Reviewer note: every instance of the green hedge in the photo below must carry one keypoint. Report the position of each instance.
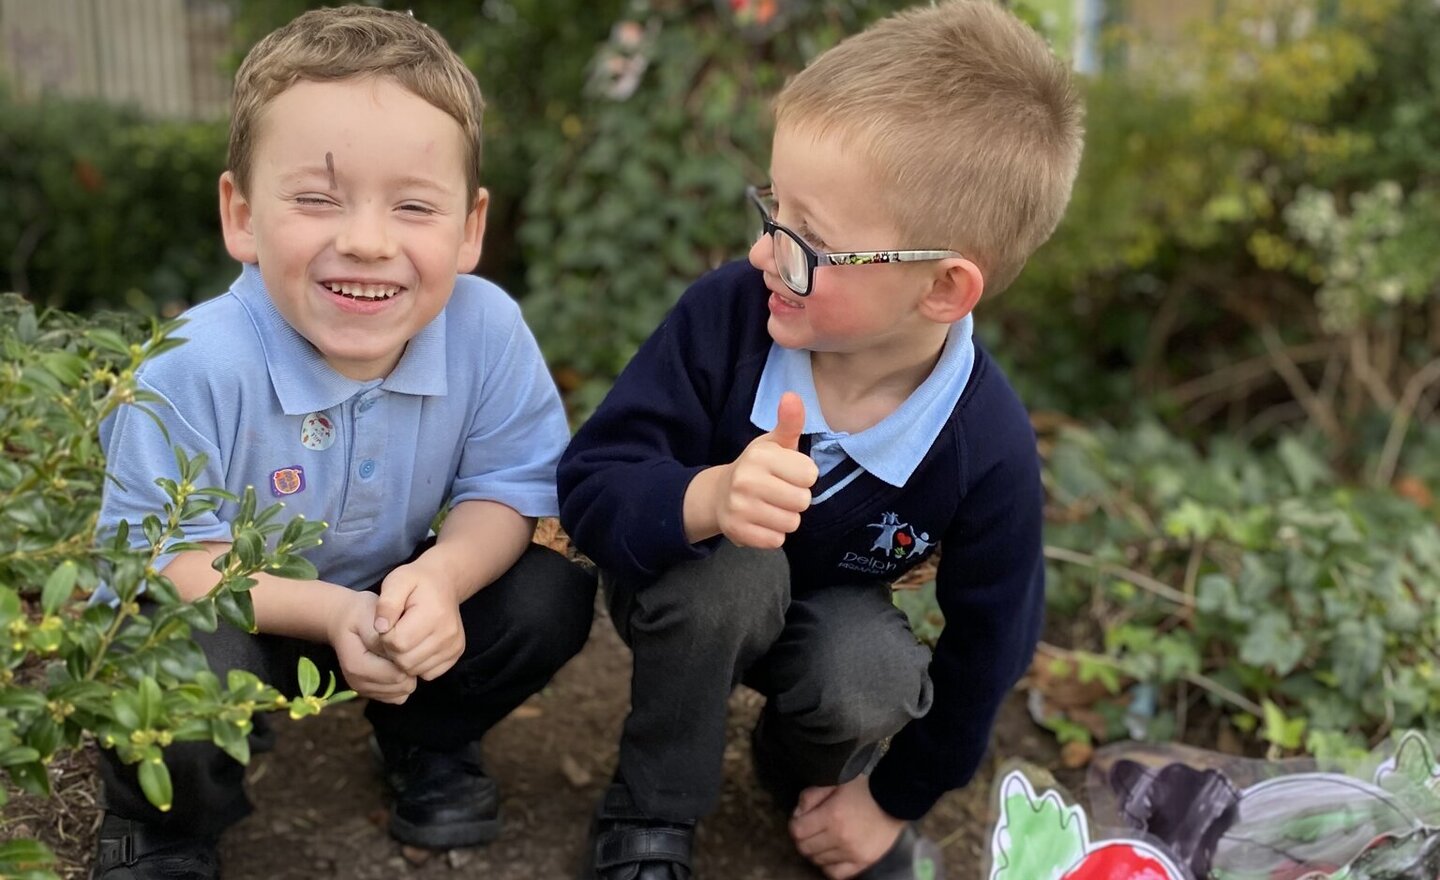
(103, 207)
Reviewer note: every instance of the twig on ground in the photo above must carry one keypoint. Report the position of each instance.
(1139, 579)
(1400, 422)
(1315, 408)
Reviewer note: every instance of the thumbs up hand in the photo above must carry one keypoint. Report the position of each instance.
(764, 491)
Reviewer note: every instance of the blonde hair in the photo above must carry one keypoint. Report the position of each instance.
(974, 127)
(354, 41)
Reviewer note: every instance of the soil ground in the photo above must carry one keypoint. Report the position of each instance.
(320, 811)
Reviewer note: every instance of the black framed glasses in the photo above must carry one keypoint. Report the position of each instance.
(796, 260)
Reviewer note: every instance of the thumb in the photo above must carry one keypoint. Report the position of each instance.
(789, 421)
(394, 593)
(813, 797)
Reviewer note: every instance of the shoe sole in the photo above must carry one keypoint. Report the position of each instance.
(445, 836)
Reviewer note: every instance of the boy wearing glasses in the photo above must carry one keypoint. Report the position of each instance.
(804, 429)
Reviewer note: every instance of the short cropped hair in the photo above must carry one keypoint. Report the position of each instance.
(971, 123)
(354, 41)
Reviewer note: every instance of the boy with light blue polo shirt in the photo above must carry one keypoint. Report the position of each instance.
(356, 373)
(803, 430)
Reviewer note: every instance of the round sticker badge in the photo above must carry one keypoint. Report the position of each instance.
(317, 432)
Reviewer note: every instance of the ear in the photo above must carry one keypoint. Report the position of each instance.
(474, 236)
(235, 217)
(955, 289)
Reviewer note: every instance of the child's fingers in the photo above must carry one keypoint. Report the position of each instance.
(758, 538)
(437, 667)
(380, 680)
(760, 526)
(393, 696)
(786, 496)
(813, 846)
(798, 470)
(420, 657)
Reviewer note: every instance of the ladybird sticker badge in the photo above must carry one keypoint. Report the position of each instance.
(287, 481)
(317, 432)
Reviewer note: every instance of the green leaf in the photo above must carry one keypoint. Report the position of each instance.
(44, 736)
(27, 328)
(155, 782)
(1286, 733)
(309, 677)
(249, 548)
(296, 567)
(125, 706)
(13, 755)
(59, 587)
(1305, 468)
(231, 738)
(68, 368)
(108, 340)
(22, 700)
(1271, 642)
(163, 590)
(23, 855)
(236, 609)
(200, 614)
(151, 700)
(9, 605)
(31, 777)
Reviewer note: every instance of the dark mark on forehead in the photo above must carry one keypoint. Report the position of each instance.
(330, 166)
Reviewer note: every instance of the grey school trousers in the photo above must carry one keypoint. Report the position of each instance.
(518, 632)
(839, 666)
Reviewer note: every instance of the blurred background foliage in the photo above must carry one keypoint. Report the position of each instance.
(1232, 343)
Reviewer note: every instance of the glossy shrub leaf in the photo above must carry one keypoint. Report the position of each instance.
(155, 782)
(59, 587)
(309, 677)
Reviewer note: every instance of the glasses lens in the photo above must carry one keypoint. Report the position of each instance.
(790, 261)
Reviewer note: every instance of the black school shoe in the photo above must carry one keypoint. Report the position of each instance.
(912, 857)
(626, 845)
(439, 800)
(135, 851)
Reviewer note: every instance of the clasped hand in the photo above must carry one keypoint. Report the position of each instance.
(841, 829)
(411, 631)
(768, 486)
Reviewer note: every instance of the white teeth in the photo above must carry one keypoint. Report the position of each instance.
(362, 291)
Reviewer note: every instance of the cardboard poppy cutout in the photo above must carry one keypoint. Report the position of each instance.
(1194, 815)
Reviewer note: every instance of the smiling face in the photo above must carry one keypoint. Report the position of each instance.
(358, 215)
(829, 196)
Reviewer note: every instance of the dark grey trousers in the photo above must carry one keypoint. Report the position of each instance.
(840, 668)
(519, 631)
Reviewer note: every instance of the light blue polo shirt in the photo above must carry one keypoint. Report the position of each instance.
(892, 448)
(469, 412)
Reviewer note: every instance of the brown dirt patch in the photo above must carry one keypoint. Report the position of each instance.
(320, 810)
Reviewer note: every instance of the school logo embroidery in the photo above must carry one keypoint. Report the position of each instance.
(894, 543)
(317, 432)
(287, 481)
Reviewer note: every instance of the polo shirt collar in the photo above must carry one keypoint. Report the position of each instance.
(305, 383)
(892, 448)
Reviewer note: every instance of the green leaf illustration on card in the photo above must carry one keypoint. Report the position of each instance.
(1037, 838)
(1413, 776)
